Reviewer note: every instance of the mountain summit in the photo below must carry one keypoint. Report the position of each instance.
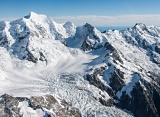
(34, 15)
(49, 69)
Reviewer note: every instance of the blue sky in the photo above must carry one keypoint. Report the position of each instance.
(115, 12)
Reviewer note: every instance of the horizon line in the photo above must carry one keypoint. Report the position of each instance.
(124, 20)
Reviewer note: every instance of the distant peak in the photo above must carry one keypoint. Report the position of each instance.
(89, 27)
(33, 15)
(140, 25)
(68, 23)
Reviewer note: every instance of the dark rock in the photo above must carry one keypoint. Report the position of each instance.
(114, 52)
(108, 46)
(153, 58)
(42, 57)
(155, 93)
(89, 27)
(146, 45)
(9, 106)
(141, 103)
(138, 39)
(31, 57)
(108, 102)
(94, 80)
(116, 80)
(116, 56)
(4, 41)
(87, 45)
(157, 49)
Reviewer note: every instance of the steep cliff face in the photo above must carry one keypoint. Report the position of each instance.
(92, 73)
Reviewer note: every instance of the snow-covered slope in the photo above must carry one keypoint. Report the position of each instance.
(31, 38)
(97, 73)
(127, 63)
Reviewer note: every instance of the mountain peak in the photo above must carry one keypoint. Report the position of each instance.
(68, 23)
(140, 26)
(33, 15)
(89, 27)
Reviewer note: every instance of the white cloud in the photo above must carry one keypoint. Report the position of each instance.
(122, 20)
(8, 19)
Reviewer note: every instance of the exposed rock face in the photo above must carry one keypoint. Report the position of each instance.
(94, 80)
(46, 104)
(91, 40)
(116, 80)
(109, 102)
(113, 52)
(87, 45)
(143, 101)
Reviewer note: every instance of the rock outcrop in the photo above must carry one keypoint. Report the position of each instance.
(48, 105)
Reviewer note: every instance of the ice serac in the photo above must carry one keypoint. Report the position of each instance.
(49, 68)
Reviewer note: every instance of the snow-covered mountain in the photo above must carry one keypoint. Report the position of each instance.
(50, 69)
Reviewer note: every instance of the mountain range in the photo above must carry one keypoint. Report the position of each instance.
(49, 69)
